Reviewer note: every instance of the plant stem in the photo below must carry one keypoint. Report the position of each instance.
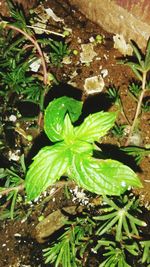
(45, 30)
(138, 109)
(8, 190)
(35, 43)
(43, 62)
(59, 185)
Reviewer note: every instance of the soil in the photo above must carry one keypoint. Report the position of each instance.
(17, 242)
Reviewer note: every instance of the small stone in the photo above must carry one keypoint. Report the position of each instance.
(88, 53)
(12, 118)
(34, 66)
(17, 235)
(121, 45)
(91, 39)
(94, 85)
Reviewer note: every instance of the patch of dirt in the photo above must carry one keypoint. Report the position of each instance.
(18, 246)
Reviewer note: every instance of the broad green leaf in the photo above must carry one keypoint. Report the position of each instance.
(108, 177)
(55, 114)
(95, 126)
(80, 147)
(68, 130)
(48, 166)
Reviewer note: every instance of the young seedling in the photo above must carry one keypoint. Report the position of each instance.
(118, 130)
(113, 95)
(81, 238)
(135, 90)
(137, 152)
(58, 51)
(146, 251)
(120, 219)
(72, 153)
(69, 249)
(13, 183)
(114, 254)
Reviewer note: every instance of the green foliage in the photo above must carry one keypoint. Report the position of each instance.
(55, 114)
(108, 177)
(135, 89)
(119, 218)
(137, 152)
(58, 51)
(81, 237)
(17, 53)
(114, 254)
(142, 64)
(118, 130)
(146, 106)
(114, 96)
(11, 179)
(71, 155)
(146, 251)
(15, 72)
(69, 245)
(17, 15)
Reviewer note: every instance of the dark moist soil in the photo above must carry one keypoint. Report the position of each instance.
(17, 242)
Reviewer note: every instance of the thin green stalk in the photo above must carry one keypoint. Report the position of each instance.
(13, 204)
(138, 109)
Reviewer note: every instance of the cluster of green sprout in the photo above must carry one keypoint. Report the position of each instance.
(109, 237)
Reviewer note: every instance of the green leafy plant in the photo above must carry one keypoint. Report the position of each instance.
(118, 130)
(138, 152)
(72, 152)
(71, 245)
(146, 251)
(120, 218)
(58, 51)
(146, 106)
(135, 90)
(81, 238)
(113, 95)
(114, 254)
(141, 69)
(21, 47)
(13, 182)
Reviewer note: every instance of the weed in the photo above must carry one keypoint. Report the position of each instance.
(74, 241)
(13, 182)
(118, 130)
(140, 68)
(138, 152)
(146, 251)
(20, 48)
(113, 95)
(135, 90)
(146, 106)
(58, 51)
(120, 218)
(109, 237)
